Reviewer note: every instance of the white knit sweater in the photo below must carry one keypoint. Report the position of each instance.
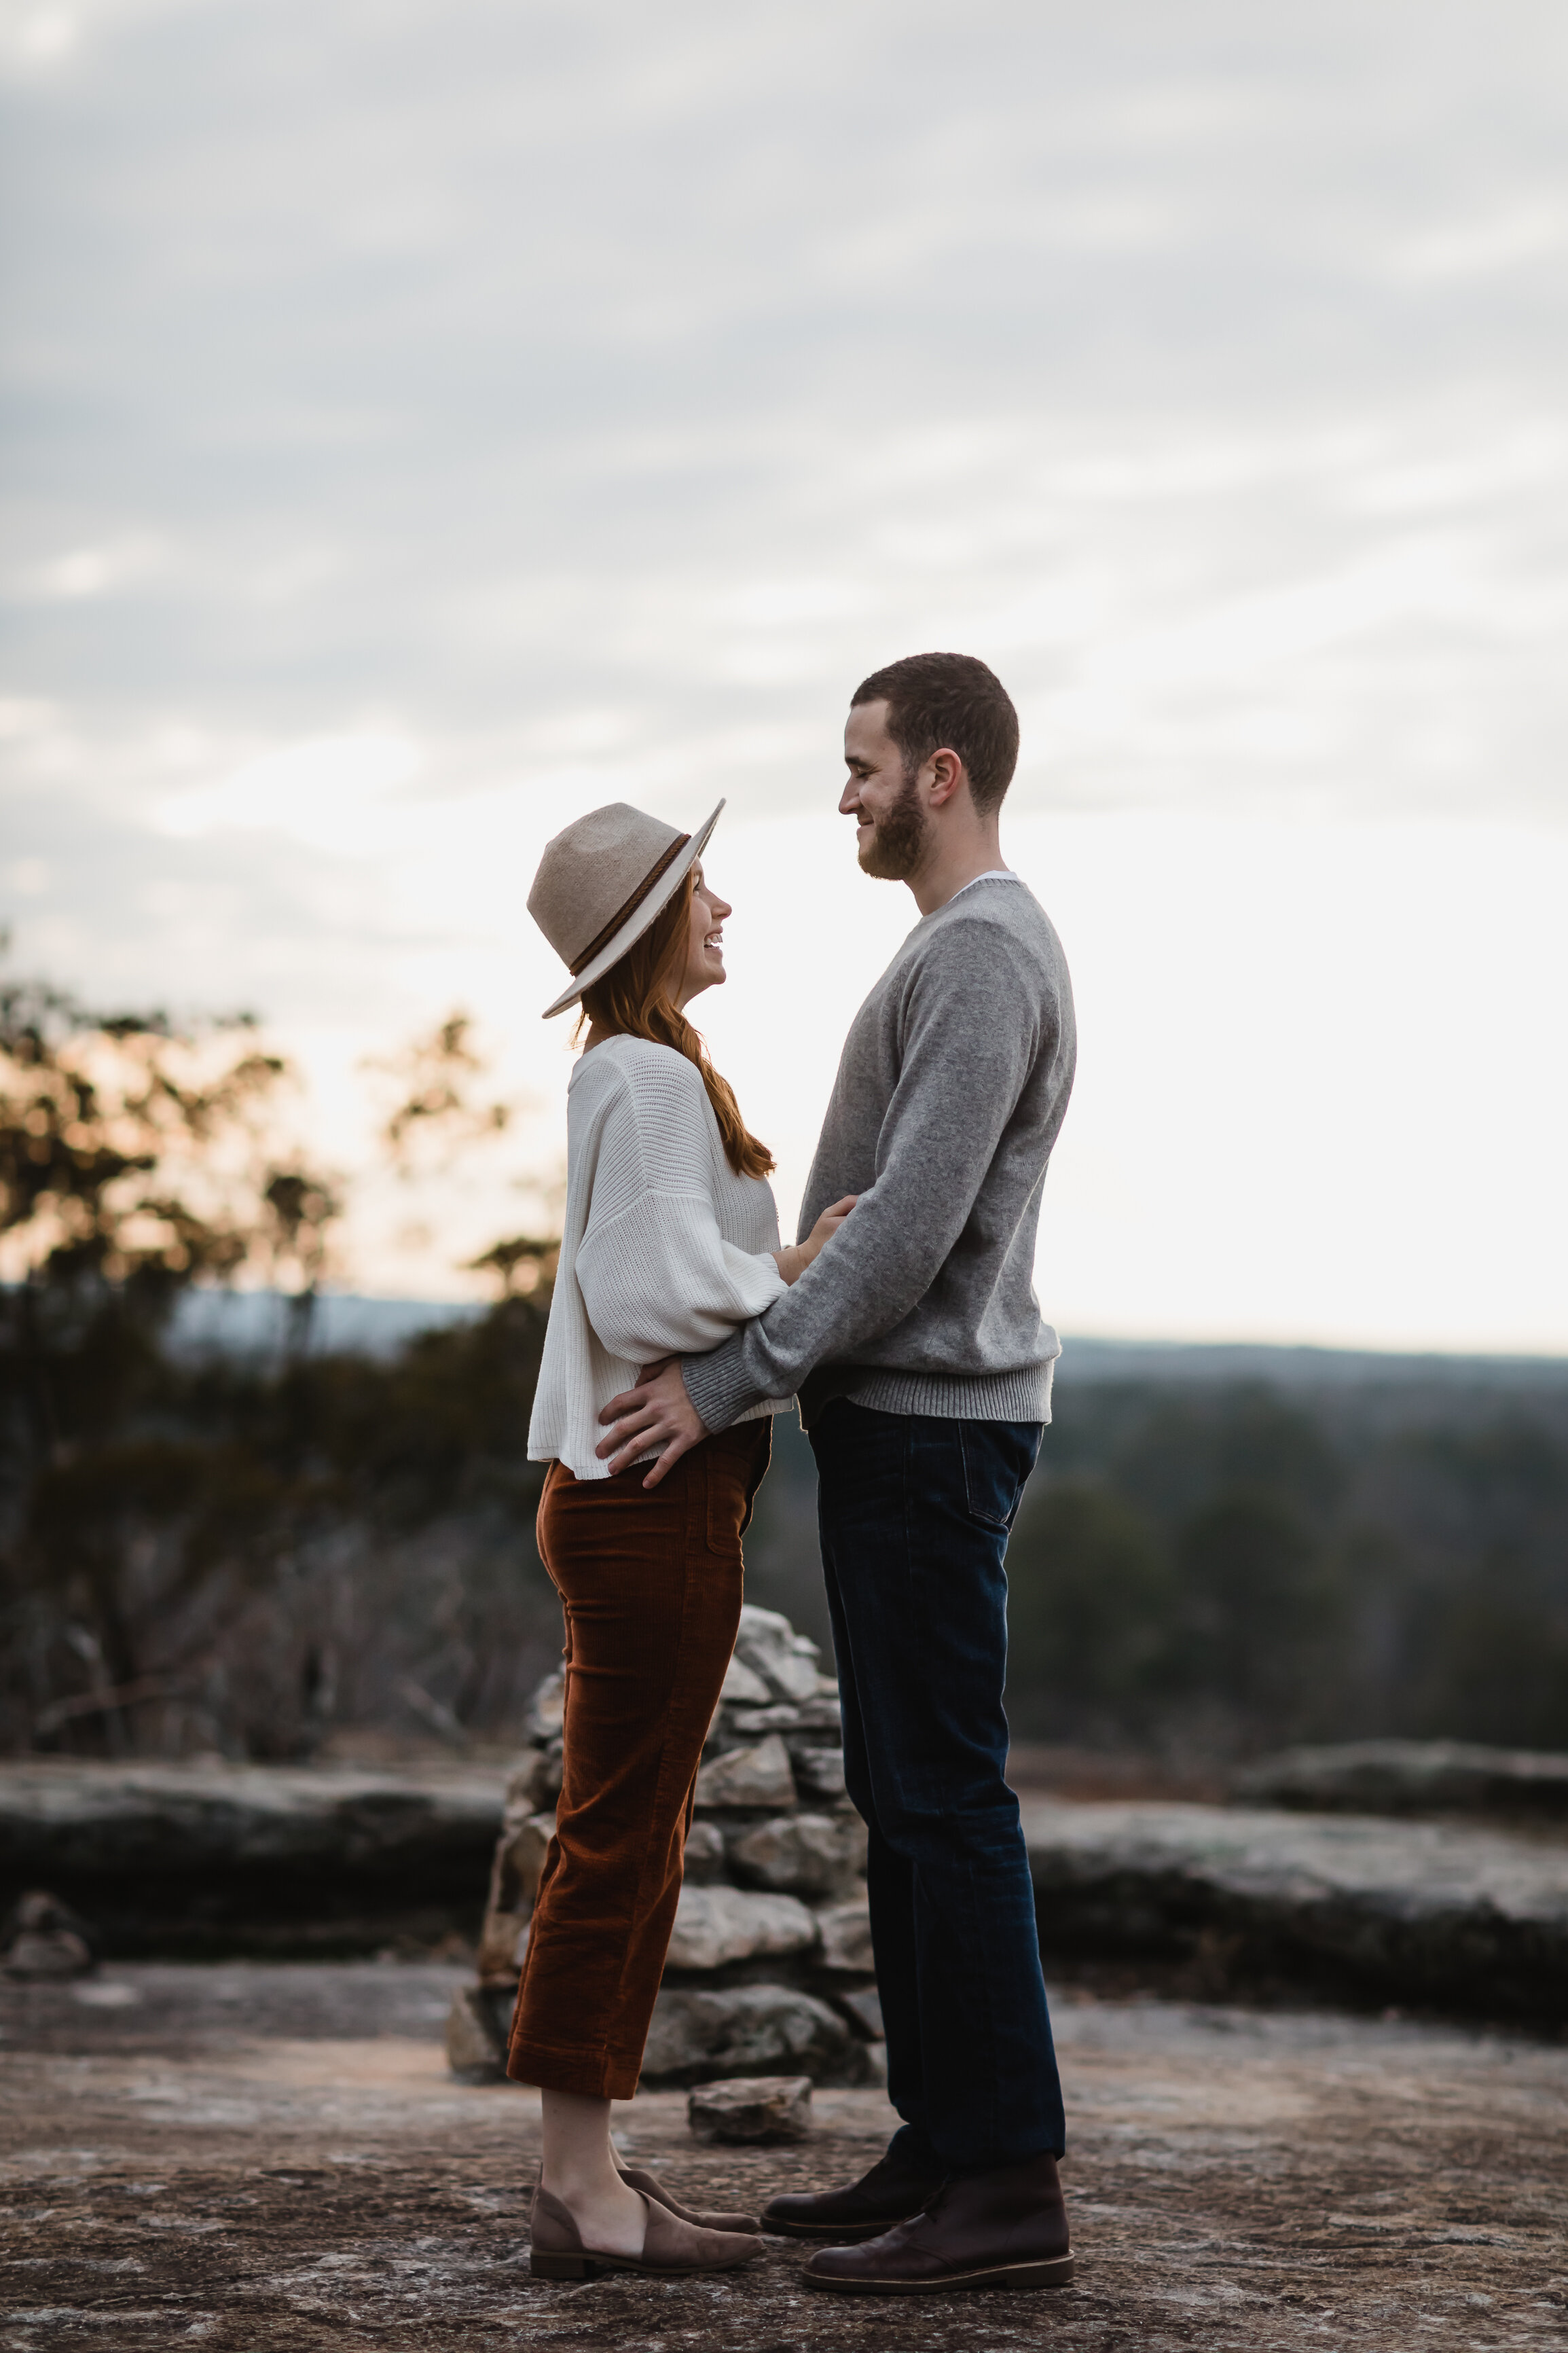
(665, 1250)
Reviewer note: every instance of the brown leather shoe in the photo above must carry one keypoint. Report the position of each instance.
(889, 2193)
(670, 2249)
(652, 2187)
(1007, 2229)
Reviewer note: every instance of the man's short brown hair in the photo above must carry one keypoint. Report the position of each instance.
(949, 702)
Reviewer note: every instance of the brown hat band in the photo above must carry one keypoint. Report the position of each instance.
(624, 915)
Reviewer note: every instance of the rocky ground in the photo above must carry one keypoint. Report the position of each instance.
(254, 2155)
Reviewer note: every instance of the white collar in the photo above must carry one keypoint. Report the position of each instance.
(996, 874)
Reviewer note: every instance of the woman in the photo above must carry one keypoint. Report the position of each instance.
(671, 1239)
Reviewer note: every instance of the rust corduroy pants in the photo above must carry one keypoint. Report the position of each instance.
(650, 1587)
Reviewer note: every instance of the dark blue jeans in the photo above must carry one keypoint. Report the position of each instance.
(914, 1514)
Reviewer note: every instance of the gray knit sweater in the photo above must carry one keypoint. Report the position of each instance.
(952, 1086)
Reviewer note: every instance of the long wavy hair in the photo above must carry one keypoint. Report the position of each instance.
(637, 999)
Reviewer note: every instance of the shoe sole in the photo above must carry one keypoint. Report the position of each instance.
(1058, 2272)
(586, 2267)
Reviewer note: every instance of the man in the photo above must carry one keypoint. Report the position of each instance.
(923, 1369)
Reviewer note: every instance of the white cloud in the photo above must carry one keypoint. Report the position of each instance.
(41, 34)
(428, 421)
(1520, 233)
(99, 571)
(326, 794)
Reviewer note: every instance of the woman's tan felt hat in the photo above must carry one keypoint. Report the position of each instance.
(603, 881)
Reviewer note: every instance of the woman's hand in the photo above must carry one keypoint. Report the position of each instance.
(796, 1257)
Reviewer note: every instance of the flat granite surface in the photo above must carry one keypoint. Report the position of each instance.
(1471, 1920)
(1400, 1866)
(250, 2156)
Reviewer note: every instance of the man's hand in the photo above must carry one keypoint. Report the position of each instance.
(657, 1412)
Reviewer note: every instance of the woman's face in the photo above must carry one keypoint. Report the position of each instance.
(704, 952)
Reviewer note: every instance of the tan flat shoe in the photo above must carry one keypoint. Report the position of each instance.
(636, 2177)
(671, 2248)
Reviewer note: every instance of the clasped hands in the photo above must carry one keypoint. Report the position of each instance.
(657, 1412)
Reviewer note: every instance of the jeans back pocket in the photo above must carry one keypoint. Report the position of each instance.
(998, 1457)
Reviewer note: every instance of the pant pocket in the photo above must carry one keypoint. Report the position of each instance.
(734, 1469)
(998, 1457)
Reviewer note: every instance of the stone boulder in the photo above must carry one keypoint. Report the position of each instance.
(786, 1661)
(805, 1854)
(743, 1687)
(534, 1785)
(751, 2109)
(864, 2006)
(476, 2038)
(515, 1873)
(716, 1925)
(803, 1719)
(43, 1937)
(819, 1775)
(700, 2035)
(846, 1933)
(546, 1710)
(760, 1776)
(705, 1857)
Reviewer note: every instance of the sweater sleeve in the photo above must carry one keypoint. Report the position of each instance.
(971, 1030)
(656, 1276)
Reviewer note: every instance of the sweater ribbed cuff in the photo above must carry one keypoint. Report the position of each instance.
(718, 1385)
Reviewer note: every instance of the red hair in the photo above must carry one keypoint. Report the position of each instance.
(636, 998)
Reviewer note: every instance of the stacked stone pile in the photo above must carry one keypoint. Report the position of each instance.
(769, 1971)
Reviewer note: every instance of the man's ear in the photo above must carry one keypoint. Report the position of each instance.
(946, 776)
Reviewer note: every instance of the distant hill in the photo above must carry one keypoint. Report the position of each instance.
(1309, 1369)
(253, 1321)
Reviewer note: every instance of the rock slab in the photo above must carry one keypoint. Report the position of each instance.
(138, 1848)
(753, 2109)
(1411, 1777)
(1472, 1920)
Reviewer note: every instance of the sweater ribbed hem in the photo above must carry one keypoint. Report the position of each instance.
(716, 1385)
(1021, 1396)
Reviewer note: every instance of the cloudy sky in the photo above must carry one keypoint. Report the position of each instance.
(427, 420)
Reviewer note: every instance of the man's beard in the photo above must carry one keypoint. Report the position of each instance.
(897, 840)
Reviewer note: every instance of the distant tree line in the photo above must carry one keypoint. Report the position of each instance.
(1231, 1567)
(246, 1555)
(269, 1554)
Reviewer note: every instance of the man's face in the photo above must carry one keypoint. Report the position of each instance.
(885, 803)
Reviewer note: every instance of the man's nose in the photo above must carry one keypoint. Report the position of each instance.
(849, 799)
